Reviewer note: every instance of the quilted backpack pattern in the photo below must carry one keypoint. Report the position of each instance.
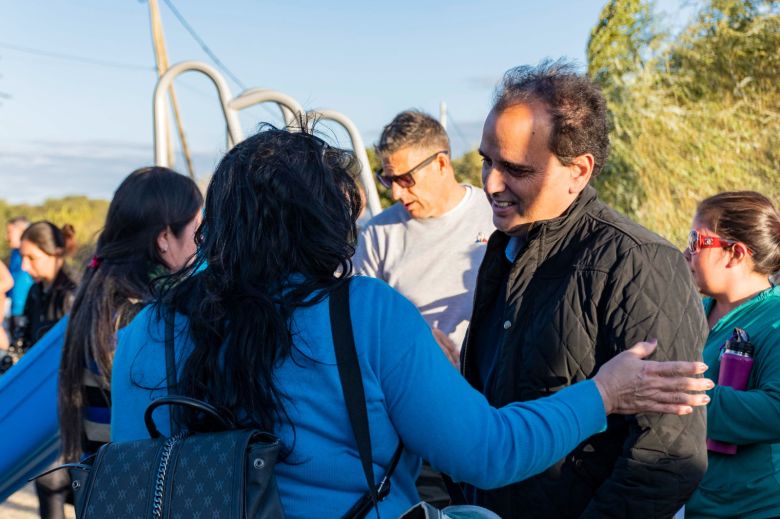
(213, 475)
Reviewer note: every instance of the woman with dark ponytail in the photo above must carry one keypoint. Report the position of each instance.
(733, 248)
(149, 232)
(253, 336)
(43, 248)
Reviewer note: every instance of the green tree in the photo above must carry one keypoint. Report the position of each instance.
(468, 168)
(693, 114)
(86, 215)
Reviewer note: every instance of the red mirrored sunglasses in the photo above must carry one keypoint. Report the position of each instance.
(697, 241)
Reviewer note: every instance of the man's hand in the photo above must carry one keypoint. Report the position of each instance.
(450, 349)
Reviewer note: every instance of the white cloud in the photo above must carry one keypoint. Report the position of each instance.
(31, 172)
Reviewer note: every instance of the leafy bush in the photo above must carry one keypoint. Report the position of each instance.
(693, 114)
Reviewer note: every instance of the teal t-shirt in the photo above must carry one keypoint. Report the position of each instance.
(745, 485)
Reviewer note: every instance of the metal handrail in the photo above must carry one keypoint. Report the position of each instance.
(373, 206)
(289, 107)
(291, 112)
(160, 106)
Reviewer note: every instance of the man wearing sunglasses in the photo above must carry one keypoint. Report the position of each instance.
(566, 284)
(430, 243)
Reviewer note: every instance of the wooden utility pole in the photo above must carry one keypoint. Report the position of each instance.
(161, 59)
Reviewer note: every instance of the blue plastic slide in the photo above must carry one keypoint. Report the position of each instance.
(29, 428)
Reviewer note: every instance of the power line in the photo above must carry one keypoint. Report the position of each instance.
(211, 53)
(73, 57)
(203, 44)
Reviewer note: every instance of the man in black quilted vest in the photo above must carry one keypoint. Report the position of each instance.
(566, 284)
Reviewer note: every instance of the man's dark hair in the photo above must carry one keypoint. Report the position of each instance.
(412, 128)
(575, 104)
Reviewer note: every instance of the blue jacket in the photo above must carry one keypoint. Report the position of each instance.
(412, 393)
(22, 283)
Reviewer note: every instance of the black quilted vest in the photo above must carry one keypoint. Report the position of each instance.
(586, 286)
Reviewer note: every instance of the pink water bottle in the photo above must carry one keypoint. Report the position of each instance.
(736, 361)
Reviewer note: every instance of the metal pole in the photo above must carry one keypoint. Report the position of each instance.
(161, 59)
(373, 205)
(159, 113)
(291, 109)
(443, 114)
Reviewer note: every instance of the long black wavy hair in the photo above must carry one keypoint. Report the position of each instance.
(278, 233)
(118, 282)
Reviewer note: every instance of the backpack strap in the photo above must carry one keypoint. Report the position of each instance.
(169, 315)
(351, 379)
(355, 398)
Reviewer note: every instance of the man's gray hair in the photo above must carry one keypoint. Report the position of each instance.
(412, 128)
(576, 106)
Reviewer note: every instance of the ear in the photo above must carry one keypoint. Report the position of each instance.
(581, 170)
(443, 160)
(163, 240)
(739, 255)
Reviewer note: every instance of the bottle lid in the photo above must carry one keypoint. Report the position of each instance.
(739, 342)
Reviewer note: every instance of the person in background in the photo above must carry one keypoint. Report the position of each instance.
(149, 232)
(44, 247)
(733, 247)
(429, 245)
(6, 285)
(253, 336)
(22, 280)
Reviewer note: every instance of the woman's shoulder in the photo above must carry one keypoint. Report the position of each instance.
(141, 329)
(373, 294)
(769, 306)
(763, 322)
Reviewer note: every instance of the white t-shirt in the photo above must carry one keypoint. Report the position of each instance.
(432, 261)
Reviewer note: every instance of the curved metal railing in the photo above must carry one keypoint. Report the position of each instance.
(231, 106)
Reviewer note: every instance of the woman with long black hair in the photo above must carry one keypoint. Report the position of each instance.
(149, 232)
(253, 336)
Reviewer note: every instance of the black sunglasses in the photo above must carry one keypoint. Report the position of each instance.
(405, 180)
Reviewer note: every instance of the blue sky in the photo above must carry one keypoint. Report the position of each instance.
(76, 128)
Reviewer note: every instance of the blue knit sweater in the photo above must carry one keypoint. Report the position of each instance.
(412, 392)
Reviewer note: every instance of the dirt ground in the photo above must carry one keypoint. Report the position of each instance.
(24, 505)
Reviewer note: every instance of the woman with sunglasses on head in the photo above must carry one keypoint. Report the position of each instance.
(253, 336)
(732, 250)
